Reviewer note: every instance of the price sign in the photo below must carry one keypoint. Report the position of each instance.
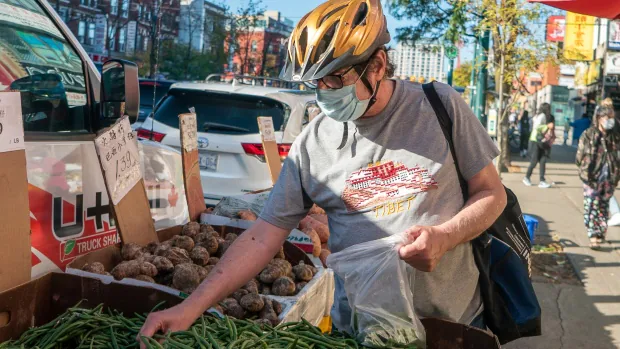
(266, 128)
(189, 132)
(118, 152)
(11, 123)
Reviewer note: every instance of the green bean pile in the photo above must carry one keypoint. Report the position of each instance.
(98, 328)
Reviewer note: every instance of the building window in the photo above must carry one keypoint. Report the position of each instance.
(114, 7)
(254, 46)
(81, 31)
(64, 14)
(112, 38)
(125, 9)
(91, 33)
(121, 40)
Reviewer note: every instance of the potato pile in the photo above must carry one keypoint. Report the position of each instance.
(314, 225)
(184, 261)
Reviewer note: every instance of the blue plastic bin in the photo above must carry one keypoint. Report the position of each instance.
(532, 225)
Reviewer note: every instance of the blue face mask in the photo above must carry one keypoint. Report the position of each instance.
(342, 104)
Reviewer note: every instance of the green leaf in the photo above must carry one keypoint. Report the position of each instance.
(69, 246)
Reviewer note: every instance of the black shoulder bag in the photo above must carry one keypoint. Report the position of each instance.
(502, 255)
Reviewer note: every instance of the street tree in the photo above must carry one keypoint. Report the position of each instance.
(517, 48)
(241, 41)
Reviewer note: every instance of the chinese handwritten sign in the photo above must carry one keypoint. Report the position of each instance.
(11, 123)
(189, 131)
(266, 128)
(578, 41)
(118, 152)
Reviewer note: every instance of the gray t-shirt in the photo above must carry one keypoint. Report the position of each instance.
(395, 171)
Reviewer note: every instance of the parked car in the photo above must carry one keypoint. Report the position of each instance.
(60, 87)
(231, 155)
(151, 92)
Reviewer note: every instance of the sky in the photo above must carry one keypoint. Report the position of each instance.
(296, 9)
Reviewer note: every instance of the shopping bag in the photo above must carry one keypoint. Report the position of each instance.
(378, 285)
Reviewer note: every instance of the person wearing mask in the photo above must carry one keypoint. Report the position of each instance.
(375, 136)
(599, 170)
(541, 139)
(524, 130)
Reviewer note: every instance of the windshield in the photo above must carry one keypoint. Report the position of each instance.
(36, 59)
(221, 113)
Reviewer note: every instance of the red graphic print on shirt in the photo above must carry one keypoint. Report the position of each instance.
(383, 182)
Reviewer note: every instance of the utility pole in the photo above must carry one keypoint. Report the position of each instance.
(481, 86)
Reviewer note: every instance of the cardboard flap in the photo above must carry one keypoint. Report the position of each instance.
(191, 167)
(15, 220)
(133, 217)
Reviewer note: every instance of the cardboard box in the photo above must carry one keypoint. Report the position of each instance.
(41, 300)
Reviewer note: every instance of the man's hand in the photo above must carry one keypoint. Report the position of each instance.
(178, 318)
(424, 247)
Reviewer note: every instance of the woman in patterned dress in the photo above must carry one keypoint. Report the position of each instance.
(599, 169)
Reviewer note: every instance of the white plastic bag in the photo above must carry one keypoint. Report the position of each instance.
(378, 287)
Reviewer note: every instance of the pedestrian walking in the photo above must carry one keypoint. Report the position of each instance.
(524, 130)
(541, 140)
(377, 143)
(579, 126)
(566, 129)
(599, 170)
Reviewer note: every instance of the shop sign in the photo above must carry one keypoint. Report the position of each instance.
(578, 41)
(614, 35)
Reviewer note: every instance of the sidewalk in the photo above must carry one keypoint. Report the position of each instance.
(585, 316)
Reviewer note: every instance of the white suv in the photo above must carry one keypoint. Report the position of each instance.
(232, 160)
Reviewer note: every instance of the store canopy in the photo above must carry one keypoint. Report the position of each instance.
(597, 8)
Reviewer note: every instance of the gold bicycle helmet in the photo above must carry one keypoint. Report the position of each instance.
(335, 35)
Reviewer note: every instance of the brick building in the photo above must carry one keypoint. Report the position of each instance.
(118, 28)
(261, 49)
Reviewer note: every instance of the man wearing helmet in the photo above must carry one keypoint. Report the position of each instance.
(377, 162)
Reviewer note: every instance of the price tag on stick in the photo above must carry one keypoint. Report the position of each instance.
(118, 151)
(11, 123)
(272, 155)
(191, 167)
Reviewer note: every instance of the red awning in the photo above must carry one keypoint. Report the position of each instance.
(597, 8)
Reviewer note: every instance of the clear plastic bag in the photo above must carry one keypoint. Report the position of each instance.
(378, 285)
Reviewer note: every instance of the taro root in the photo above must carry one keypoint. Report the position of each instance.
(131, 251)
(313, 268)
(252, 286)
(252, 302)
(162, 248)
(148, 269)
(200, 256)
(163, 264)
(262, 323)
(207, 229)
(299, 286)
(184, 242)
(232, 308)
(198, 239)
(94, 267)
(265, 290)
(176, 255)
(231, 237)
(283, 264)
(267, 313)
(191, 229)
(145, 278)
(240, 293)
(223, 246)
(209, 268)
(280, 253)
(126, 269)
(185, 278)
(277, 306)
(213, 261)
(302, 272)
(211, 243)
(283, 286)
(271, 274)
(202, 272)
(151, 247)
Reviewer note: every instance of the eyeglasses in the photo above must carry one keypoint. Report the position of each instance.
(334, 81)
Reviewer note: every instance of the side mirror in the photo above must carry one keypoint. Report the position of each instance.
(120, 94)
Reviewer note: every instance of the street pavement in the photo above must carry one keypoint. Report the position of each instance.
(585, 316)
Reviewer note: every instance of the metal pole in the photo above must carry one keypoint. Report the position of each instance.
(451, 72)
(481, 86)
(472, 80)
